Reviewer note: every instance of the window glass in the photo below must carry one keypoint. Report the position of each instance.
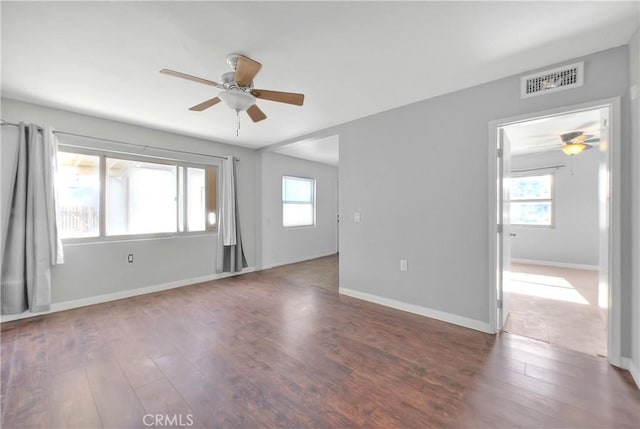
(531, 187)
(297, 190)
(212, 201)
(180, 199)
(78, 187)
(531, 200)
(530, 213)
(196, 199)
(140, 197)
(298, 201)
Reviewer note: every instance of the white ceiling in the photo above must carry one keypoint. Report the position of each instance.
(351, 59)
(543, 135)
(325, 150)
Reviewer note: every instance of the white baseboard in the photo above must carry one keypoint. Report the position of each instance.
(98, 299)
(295, 261)
(629, 365)
(422, 311)
(556, 264)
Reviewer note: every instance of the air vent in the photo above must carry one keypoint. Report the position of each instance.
(554, 80)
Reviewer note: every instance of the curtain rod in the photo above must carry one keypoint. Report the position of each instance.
(551, 167)
(3, 122)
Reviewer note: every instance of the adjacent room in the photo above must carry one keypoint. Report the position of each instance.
(555, 293)
(320, 214)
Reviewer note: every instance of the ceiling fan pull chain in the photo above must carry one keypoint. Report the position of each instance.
(238, 121)
(571, 164)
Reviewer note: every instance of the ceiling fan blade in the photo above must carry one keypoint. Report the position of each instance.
(205, 104)
(281, 97)
(256, 114)
(188, 77)
(246, 69)
(595, 140)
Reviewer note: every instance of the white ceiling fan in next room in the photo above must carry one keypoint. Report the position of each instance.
(237, 89)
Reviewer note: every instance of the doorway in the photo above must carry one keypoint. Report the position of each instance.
(556, 185)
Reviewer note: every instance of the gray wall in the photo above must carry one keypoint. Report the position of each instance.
(92, 269)
(418, 175)
(634, 63)
(575, 237)
(285, 245)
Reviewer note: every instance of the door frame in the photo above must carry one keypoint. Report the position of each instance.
(614, 328)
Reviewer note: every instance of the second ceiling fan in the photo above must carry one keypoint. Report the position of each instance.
(237, 88)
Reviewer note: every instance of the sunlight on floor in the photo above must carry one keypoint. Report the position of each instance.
(541, 286)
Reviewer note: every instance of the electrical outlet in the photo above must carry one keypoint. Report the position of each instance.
(130, 258)
(403, 265)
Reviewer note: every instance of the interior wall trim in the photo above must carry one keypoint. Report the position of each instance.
(295, 261)
(629, 365)
(99, 299)
(556, 264)
(454, 319)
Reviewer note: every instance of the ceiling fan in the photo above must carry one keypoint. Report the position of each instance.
(237, 88)
(576, 141)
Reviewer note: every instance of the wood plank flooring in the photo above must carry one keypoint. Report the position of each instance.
(281, 348)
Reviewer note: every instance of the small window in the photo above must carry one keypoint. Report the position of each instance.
(78, 187)
(298, 201)
(531, 200)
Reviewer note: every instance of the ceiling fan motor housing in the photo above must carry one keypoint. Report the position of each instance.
(228, 81)
(232, 60)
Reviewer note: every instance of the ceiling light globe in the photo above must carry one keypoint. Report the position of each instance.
(573, 148)
(236, 99)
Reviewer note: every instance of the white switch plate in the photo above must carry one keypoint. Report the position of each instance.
(403, 265)
(356, 217)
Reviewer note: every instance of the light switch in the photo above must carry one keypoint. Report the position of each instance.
(403, 265)
(356, 217)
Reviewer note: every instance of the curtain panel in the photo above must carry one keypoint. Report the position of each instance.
(231, 256)
(30, 242)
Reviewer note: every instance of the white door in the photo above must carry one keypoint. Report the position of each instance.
(603, 210)
(505, 235)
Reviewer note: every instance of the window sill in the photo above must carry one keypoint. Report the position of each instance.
(135, 237)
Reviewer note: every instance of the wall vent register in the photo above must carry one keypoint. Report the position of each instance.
(553, 80)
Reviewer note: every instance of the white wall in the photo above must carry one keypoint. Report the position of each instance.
(574, 238)
(634, 63)
(285, 245)
(101, 268)
(418, 176)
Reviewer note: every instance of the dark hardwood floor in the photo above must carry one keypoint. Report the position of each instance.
(281, 348)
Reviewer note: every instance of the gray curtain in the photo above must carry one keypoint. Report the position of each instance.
(233, 259)
(30, 243)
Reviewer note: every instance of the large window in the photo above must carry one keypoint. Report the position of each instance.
(298, 201)
(531, 200)
(104, 195)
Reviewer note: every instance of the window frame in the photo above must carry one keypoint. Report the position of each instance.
(126, 156)
(313, 200)
(550, 200)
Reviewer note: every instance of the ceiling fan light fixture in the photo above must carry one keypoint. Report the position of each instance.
(237, 99)
(573, 148)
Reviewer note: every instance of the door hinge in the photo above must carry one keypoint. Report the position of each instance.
(499, 153)
(500, 304)
(500, 229)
